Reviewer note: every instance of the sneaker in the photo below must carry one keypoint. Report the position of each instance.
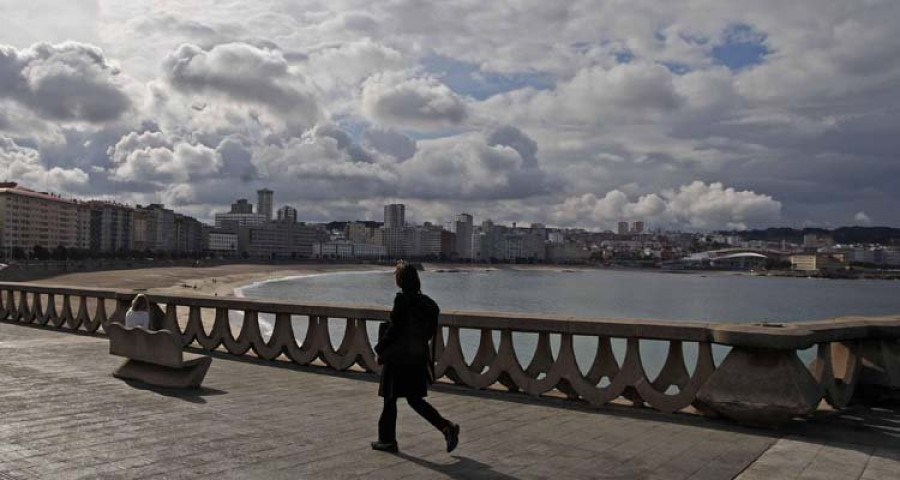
(385, 446)
(451, 435)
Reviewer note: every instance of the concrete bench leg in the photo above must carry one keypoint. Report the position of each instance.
(187, 377)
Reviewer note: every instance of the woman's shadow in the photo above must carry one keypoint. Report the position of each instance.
(464, 468)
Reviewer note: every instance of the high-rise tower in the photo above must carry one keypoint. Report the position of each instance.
(464, 230)
(287, 214)
(394, 215)
(264, 202)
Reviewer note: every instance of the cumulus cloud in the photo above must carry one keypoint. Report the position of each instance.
(512, 137)
(151, 157)
(390, 142)
(245, 73)
(343, 141)
(697, 205)
(327, 164)
(631, 98)
(343, 65)
(24, 165)
(67, 82)
(500, 163)
(596, 95)
(237, 159)
(318, 166)
(416, 103)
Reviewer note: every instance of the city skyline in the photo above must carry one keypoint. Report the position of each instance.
(684, 115)
(43, 225)
(242, 206)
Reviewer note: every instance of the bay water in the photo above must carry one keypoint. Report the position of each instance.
(699, 297)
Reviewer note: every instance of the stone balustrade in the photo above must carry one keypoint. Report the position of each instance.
(761, 380)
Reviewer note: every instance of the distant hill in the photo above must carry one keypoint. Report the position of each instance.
(882, 235)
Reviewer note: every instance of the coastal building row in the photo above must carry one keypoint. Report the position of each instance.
(256, 234)
(30, 219)
(460, 240)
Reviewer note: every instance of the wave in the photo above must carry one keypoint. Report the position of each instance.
(267, 320)
(239, 291)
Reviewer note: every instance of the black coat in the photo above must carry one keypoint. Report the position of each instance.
(404, 349)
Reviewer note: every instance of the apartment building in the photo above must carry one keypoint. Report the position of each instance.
(111, 226)
(29, 219)
(157, 228)
(188, 234)
(279, 240)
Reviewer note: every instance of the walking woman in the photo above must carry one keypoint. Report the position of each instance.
(408, 368)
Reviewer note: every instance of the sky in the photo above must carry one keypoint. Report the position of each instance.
(685, 114)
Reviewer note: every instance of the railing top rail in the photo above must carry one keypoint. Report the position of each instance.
(797, 335)
(65, 290)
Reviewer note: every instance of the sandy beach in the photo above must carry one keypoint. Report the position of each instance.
(221, 280)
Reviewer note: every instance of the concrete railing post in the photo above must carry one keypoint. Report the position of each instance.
(880, 375)
(758, 386)
(761, 381)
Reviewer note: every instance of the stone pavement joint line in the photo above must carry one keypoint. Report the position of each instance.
(62, 415)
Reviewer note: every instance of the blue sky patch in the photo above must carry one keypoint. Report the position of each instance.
(624, 56)
(468, 79)
(742, 47)
(660, 34)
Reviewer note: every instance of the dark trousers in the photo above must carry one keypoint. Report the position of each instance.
(387, 424)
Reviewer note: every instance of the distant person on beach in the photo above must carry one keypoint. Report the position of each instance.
(408, 368)
(139, 313)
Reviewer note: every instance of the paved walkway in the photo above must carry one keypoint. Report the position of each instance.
(63, 416)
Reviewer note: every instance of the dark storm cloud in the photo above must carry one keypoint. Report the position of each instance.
(65, 82)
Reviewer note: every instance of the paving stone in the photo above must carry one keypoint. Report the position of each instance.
(64, 416)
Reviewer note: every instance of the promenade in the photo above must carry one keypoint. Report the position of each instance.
(62, 415)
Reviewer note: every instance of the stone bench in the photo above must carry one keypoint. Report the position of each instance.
(155, 358)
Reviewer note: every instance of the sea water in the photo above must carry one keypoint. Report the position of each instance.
(695, 297)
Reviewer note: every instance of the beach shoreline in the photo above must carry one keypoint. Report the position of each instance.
(224, 280)
(227, 280)
(221, 280)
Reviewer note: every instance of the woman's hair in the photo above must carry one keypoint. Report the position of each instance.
(407, 278)
(140, 303)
